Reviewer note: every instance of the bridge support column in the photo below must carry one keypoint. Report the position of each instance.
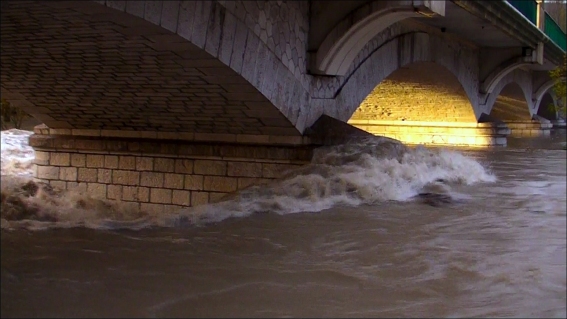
(155, 175)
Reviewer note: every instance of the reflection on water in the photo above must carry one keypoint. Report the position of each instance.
(496, 249)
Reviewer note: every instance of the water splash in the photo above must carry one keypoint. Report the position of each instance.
(367, 171)
(17, 155)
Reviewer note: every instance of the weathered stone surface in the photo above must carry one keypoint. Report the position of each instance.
(431, 94)
(120, 67)
(164, 66)
(166, 104)
(522, 92)
(167, 147)
(168, 178)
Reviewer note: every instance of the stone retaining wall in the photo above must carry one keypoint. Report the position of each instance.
(156, 175)
(529, 128)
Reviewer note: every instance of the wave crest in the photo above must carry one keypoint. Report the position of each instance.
(367, 171)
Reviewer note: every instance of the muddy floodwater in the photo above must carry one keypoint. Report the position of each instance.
(371, 229)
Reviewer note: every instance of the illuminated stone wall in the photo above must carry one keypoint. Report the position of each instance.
(512, 108)
(511, 104)
(425, 103)
(423, 92)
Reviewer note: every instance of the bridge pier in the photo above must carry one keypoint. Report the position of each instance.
(121, 83)
(559, 123)
(159, 173)
(536, 127)
(515, 114)
(438, 133)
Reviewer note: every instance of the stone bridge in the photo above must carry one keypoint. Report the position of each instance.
(166, 104)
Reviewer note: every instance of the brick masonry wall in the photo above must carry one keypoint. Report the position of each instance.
(402, 51)
(438, 133)
(510, 109)
(228, 67)
(157, 175)
(517, 85)
(281, 25)
(402, 43)
(189, 66)
(152, 183)
(529, 128)
(222, 67)
(515, 109)
(421, 92)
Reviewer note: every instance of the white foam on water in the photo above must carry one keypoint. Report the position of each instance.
(17, 155)
(367, 171)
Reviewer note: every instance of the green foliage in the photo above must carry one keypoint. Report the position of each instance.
(560, 88)
(11, 116)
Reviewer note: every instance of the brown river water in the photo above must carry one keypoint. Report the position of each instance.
(348, 236)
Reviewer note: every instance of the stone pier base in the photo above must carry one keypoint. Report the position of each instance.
(156, 174)
(559, 123)
(529, 128)
(438, 133)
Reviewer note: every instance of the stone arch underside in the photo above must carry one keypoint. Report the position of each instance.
(423, 91)
(80, 64)
(521, 92)
(542, 91)
(490, 83)
(348, 37)
(511, 104)
(400, 52)
(546, 107)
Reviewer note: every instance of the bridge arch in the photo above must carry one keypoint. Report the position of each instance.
(511, 104)
(492, 80)
(543, 91)
(544, 108)
(513, 91)
(400, 52)
(179, 66)
(346, 39)
(418, 92)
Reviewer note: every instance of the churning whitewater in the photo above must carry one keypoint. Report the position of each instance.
(364, 172)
